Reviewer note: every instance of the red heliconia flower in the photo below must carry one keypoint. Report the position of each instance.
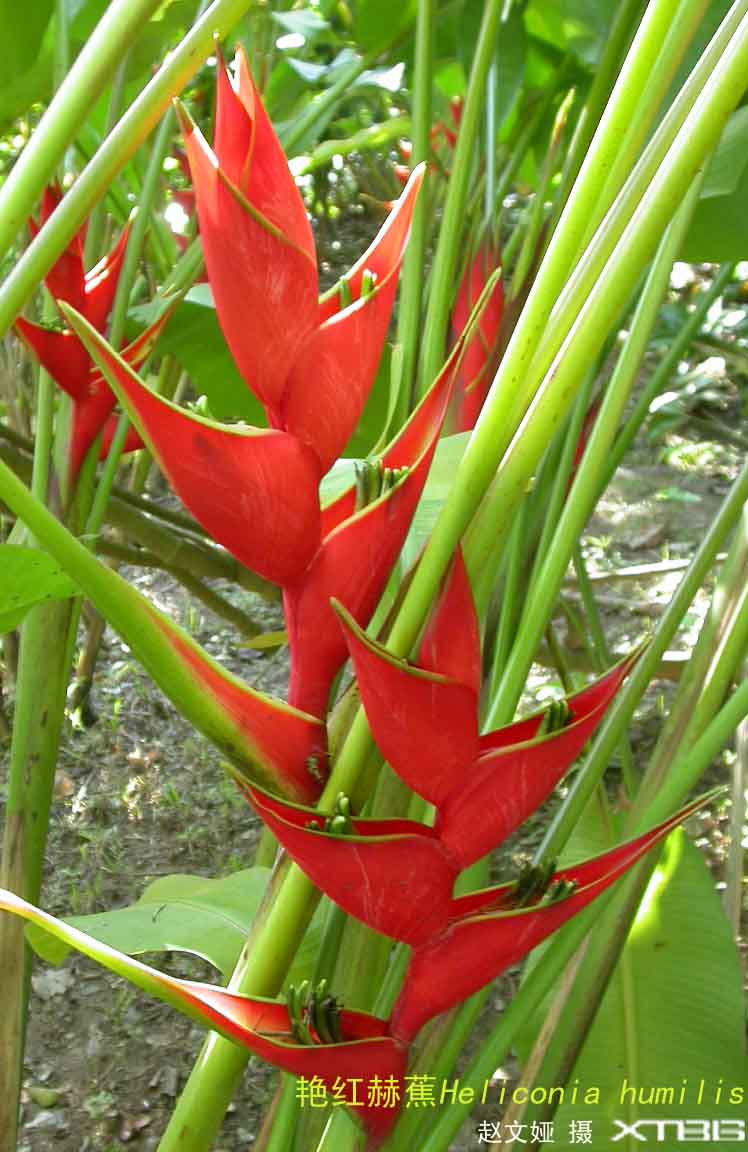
(397, 876)
(60, 351)
(64, 357)
(489, 932)
(480, 359)
(311, 362)
(256, 491)
(424, 720)
(357, 550)
(362, 1055)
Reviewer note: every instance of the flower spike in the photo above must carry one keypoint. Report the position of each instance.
(257, 242)
(482, 943)
(254, 490)
(346, 1066)
(357, 553)
(391, 874)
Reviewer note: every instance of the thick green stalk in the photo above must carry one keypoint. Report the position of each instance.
(719, 650)
(674, 770)
(411, 291)
(585, 488)
(119, 27)
(622, 29)
(535, 342)
(486, 447)
(451, 233)
(617, 720)
(122, 143)
(626, 254)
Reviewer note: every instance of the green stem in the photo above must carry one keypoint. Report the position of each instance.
(119, 27)
(585, 491)
(122, 143)
(321, 105)
(618, 718)
(411, 291)
(133, 252)
(94, 245)
(679, 34)
(603, 80)
(535, 341)
(450, 236)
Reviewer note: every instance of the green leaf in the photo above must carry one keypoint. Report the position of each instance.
(577, 26)
(674, 1012)
(23, 28)
(376, 23)
(28, 576)
(194, 338)
(306, 23)
(181, 913)
(719, 227)
(511, 49)
(727, 165)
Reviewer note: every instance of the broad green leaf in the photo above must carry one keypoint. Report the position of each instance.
(23, 28)
(674, 1012)
(180, 913)
(376, 23)
(728, 163)
(577, 26)
(719, 227)
(28, 576)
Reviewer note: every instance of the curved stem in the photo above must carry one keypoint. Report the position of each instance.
(450, 236)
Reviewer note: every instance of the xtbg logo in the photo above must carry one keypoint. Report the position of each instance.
(683, 1131)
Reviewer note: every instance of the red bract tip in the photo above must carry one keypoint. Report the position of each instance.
(508, 783)
(349, 1068)
(254, 490)
(481, 943)
(424, 724)
(101, 284)
(285, 746)
(257, 241)
(330, 382)
(451, 640)
(391, 874)
(66, 278)
(357, 554)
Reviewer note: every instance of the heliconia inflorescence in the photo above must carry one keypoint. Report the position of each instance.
(61, 352)
(256, 491)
